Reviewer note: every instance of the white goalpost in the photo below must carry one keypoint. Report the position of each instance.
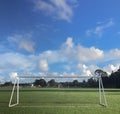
(102, 97)
(16, 84)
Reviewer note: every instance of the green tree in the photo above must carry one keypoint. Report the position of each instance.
(101, 73)
(40, 82)
(8, 83)
(92, 82)
(75, 83)
(104, 75)
(52, 83)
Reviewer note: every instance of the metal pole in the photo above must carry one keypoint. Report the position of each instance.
(17, 90)
(12, 93)
(105, 101)
(99, 90)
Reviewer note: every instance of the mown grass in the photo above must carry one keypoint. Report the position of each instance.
(60, 101)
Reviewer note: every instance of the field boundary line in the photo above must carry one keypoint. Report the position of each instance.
(64, 106)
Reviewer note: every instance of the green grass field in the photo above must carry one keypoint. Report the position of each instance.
(60, 101)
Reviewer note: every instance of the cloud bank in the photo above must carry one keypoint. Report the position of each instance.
(70, 58)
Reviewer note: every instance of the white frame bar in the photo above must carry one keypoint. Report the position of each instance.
(12, 93)
(102, 92)
(102, 99)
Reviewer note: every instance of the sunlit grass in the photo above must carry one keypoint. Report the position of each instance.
(60, 101)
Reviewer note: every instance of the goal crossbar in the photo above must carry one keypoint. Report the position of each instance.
(102, 96)
(58, 76)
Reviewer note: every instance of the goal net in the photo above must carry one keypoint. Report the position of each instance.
(16, 91)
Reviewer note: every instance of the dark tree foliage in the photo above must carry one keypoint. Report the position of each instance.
(92, 82)
(40, 82)
(113, 81)
(52, 83)
(75, 83)
(101, 73)
(8, 83)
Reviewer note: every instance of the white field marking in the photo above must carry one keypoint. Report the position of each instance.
(64, 106)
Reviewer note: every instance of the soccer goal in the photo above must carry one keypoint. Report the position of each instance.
(102, 97)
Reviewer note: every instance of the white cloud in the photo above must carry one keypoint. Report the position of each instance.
(98, 30)
(23, 42)
(79, 53)
(84, 70)
(89, 54)
(109, 68)
(27, 45)
(11, 62)
(1, 80)
(54, 74)
(69, 43)
(13, 75)
(52, 56)
(115, 52)
(59, 9)
(43, 65)
(112, 56)
(66, 74)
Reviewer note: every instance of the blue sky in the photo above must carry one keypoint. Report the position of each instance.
(61, 37)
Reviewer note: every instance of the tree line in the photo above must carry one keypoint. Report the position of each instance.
(52, 83)
(111, 81)
(75, 83)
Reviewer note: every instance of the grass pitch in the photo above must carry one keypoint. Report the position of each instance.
(60, 101)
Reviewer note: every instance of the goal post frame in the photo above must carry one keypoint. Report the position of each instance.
(16, 84)
(102, 96)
